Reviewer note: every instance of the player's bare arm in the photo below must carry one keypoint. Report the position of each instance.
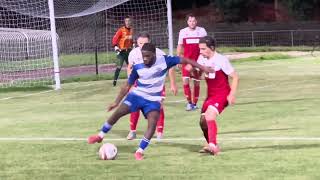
(234, 86)
(129, 69)
(195, 64)
(180, 50)
(172, 77)
(123, 92)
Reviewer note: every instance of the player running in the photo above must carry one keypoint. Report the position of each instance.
(150, 76)
(219, 93)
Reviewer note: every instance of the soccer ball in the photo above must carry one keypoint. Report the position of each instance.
(108, 151)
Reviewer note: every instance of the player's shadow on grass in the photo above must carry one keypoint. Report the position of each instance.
(189, 147)
(196, 148)
(278, 100)
(276, 147)
(256, 130)
(123, 133)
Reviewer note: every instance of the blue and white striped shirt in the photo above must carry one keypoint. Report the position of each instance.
(150, 80)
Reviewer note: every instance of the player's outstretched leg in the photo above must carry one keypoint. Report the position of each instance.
(204, 128)
(121, 111)
(211, 116)
(152, 117)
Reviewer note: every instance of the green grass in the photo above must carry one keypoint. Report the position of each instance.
(70, 60)
(275, 99)
(266, 57)
(99, 77)
(265, 48)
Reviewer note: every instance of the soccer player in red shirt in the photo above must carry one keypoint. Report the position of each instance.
(219, 93)
(188, 47)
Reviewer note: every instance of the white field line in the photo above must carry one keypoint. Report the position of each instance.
(177, 101)
(26, 95)
(37, 93)
(168, 139)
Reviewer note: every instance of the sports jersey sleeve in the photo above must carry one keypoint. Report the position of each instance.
(172, 60)
(201, 60)
(204, 32)
(180, 40)
(159, 52)
(116, 37)
(131, 57)
(227, 67)
(133, 76)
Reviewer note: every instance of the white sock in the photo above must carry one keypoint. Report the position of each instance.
(101, 134)
(140, 150)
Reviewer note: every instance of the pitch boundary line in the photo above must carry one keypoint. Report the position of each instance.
(177, 101)
(27, 95)
(167, 139)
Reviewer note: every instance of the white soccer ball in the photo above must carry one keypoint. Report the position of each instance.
(108, 151)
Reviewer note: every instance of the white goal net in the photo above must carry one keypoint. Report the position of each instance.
(84, 29)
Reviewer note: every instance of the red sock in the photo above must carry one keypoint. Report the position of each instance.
(160, 124)
(187, 92)
(134, 117)
(196, 93)
(212, 131)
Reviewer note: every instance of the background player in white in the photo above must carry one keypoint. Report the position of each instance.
(219, 93)
(188, 47)
(150, 76)
(135, 57)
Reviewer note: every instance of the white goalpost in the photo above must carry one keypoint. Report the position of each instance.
(43, 41)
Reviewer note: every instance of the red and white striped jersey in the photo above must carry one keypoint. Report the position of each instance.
(189, 39)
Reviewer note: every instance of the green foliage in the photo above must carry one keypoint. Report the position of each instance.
(301, 10)
(235, 10)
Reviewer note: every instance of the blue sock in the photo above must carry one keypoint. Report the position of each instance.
(144, 143)
(106, 127)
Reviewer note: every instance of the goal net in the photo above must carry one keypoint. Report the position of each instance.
(84, 29)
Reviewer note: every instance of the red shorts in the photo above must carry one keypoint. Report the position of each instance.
(191, 74)
(218, 102)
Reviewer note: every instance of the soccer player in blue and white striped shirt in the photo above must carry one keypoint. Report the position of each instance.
(150, 76)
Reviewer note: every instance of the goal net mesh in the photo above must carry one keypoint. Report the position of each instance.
(84, 29)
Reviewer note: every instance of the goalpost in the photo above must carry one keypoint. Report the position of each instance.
(43, 41)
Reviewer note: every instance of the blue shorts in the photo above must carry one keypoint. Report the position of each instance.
(136, 103)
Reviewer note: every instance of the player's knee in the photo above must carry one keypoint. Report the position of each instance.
(186, 80)
(196, 82)
(211, 113)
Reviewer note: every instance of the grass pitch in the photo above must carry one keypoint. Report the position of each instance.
(271, 133)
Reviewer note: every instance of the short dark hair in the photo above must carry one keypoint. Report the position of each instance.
(209, 41)
(189, 15)
(127, 17)
(149, 47)
(143, 35)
